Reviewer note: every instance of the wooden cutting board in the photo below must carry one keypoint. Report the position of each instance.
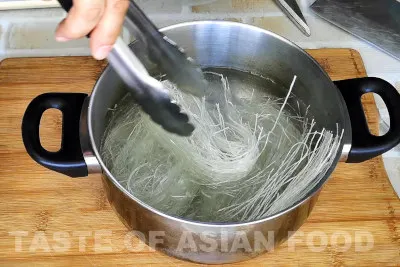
(52, 220)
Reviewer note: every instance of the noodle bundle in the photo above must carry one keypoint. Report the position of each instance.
(251, 155)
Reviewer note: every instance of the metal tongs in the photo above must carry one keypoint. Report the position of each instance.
(171, 59)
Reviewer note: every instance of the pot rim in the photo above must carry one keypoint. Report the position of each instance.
(345, 139)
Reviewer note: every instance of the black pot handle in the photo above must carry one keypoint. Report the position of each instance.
(69, 159)
(365, 145)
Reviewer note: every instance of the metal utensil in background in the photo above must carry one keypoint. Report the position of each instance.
(376, 22)
(293, 11)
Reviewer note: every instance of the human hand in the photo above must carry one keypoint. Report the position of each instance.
(103, 19)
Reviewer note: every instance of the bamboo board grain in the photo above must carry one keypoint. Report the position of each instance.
(52, 212)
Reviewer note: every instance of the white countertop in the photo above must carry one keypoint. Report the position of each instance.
(25, 33)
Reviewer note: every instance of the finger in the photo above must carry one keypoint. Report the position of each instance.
(109, 28)
(81, 19)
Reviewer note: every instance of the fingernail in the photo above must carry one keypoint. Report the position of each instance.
(62, 39)
(102, 52)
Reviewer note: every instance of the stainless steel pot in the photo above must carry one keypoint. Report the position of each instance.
(216, 44)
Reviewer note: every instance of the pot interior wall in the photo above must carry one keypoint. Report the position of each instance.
(238, 46)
